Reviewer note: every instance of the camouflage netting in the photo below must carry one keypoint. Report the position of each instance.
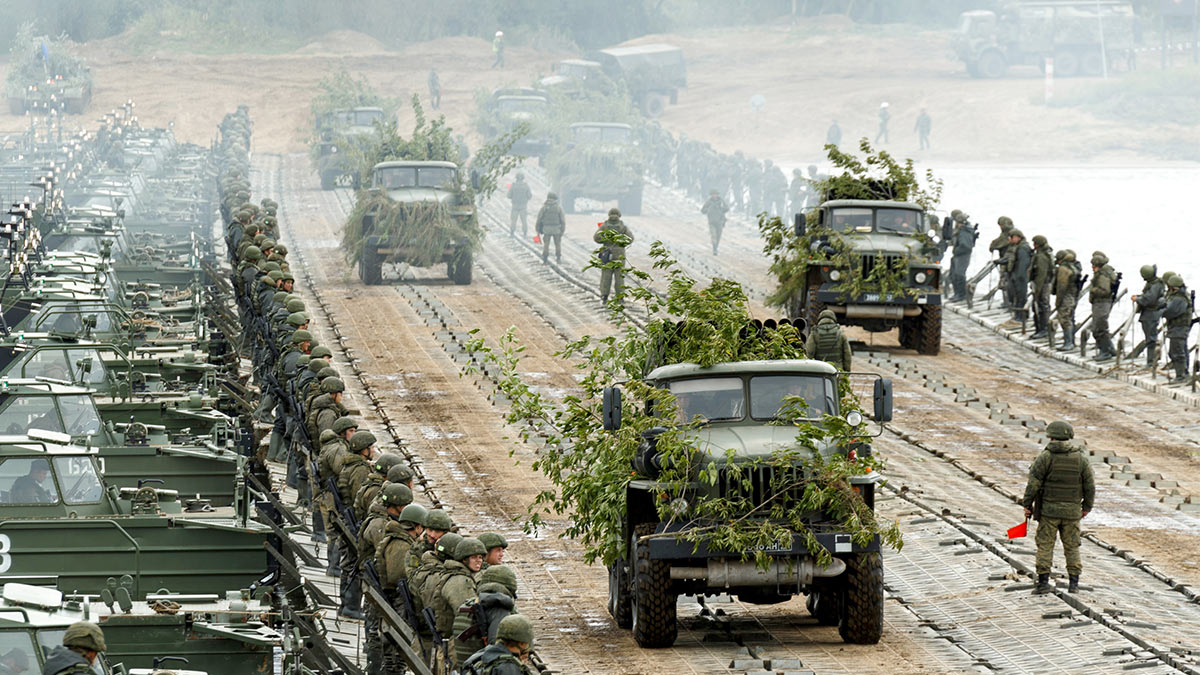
(34, 59)
(425, 230)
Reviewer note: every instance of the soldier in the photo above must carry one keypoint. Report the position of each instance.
(834, 135)
(884, 116)
(400, 533)
(497, 599)
(28, 489)
(353, 475)
(457, 583)
(614, 236)
(1019, 258)
(365, 497)
(509, 655)
(498, 50)
(519, 194)
(423, 558)
(435, 90)
(796, 191)
(827, 342)
(82, 644)
(923, 127)
(1000, 246)
(774, 189)
(1178, 313)
(1149, 305)
(1066, 287)
(1060, 492)
(1041, 276)
(737, 181)
(963, 243)
(496, 545)
(392, 498)
(551, 224)
(715, 208)
(1103, 292)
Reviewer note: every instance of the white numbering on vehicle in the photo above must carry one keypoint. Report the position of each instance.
(5, 553)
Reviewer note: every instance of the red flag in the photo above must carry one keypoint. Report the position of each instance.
(537, 238)
(1019, 531)
(600, 224)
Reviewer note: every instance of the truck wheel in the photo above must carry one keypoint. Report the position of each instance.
(460, 269)
(631, 203)
(370, 266)
(328, 181)
(1092, 63)
(862, 605)
(653, 606)
(1066, 64)
(823, 607)
(910, 331)
(619, 604)
(931, 331)
(992, 65)
(653, 105)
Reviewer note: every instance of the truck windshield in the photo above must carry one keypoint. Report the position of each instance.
(516, 105)
(769, 396)
(365, 118)
(851, 220)
(711, 399)
(903, 221)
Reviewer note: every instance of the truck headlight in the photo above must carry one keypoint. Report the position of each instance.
(835, 275)
(920, 277)
(679, 506)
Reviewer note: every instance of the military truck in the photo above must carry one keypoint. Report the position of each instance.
(888, 257)
(653, 73)
(739, 404)
(435, 220)
(44, 75)
(509, 107)
(573, 77)
(334, 129)
(601, 161)
(1079, 36)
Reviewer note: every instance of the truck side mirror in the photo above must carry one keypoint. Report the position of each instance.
(799, 225)
(883, 400)
(820, 217)
(610, 409)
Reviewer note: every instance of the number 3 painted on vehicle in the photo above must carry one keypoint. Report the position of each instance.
(5, 557)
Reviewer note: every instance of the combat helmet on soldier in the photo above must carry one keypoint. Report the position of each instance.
(396, 495)
(400, 472)
(1059, 431)
(414, 514)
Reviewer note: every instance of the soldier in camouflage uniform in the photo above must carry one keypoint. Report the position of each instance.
(400, 532)
(496, 544)
(962, 243)
(457, 585)
(519, 195)
(389, 501)
(1178, 313)
(497, 599)
(715, 208)
(509, 655)
(827, 342)
(774, 189)
(1018, 259)
(1066, 292)
(1000, 246)
(352, 477)
(1041, 277)
(1060, 492)
(1149, 305)
(613, 251)
(82, 644)
(1101, 296)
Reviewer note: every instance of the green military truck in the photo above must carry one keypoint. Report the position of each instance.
(574, 77)
(334, 130)
(739, 404)
(873, 265)
(508, 108)
(418, 213)
(654, 73)
(1080, 36)
(601, 161)
(45, 75)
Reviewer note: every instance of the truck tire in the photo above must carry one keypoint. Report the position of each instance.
(328, 180)
(1092, 63)
(1066, 64)
(630, 203)
(620, 606)
(823, 607)
(370, 266)
(460, 269)
(653, 104)
(653, 607)
(931, 331)
(862, 599)
(910, 332)
(991, 65)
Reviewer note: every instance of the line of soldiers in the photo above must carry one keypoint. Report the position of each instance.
(453, 591)
(1041, 273)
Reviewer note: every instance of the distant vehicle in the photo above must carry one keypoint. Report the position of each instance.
(510, 107)
(602, 161)
(1079, 36)
(574, 76)
(336, 126)
(44, 75)
(654, 73)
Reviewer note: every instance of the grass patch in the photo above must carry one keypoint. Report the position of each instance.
(1144, 97)
(171, 27)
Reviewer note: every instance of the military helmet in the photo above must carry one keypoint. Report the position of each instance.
(500, 574)
(322, 352)
(552, 195)
(447, 544)
(386, 461)
(395, 494)
(341, 424)
(280, 248)
(1039, 240)
(84, 635)
(275, 275)
(301, 336)
(250, 230)
(328, 435)
(259, 239)
(414, 513)
(317, 365)
(326, 372)
(468, 547)
(400, 473)
(956, 213)
(295, 305)
(1004, 221)
(268, 243)
(1059, 431)
(1148, 271)
(279, 296)
(491, 540)
(271, 266)
(1175, 281)
(614, 212)
(439, 520)
(1060, 256)
(302, 362)
(287, 276)
(252, 253)
(1070, 255)
(297, 319)
(520, 175)
(361, 440)
(1099, 259)
(1014, 232)
(515, 628)
(827, 314)
(332, 385)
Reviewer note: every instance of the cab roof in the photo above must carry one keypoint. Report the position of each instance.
(677, 371)
(401, 164)
(610, 125)
(872, 204)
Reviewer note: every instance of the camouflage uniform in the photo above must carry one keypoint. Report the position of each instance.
(551, 224)
(1040, 276)
(1178, 314)
(612, 252)
(827, 342)
(1104, 285)
(519, 194)
(1150, 303)
(715, 208)
(1066, 289)
(1000, 246)
(1061, 483)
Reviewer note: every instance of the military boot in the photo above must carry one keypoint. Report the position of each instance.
(1180, 373)
(1043, 585)
(334, 566)
(318, 526)
(1068, 339)
(1074, 583)
(1151, 356)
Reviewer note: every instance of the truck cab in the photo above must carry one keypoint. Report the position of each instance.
(341, 126)
(602, 162)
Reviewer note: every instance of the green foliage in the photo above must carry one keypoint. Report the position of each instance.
(878, 176)
(342, 90)
(590, 468)
(27, 66)
(571, 165)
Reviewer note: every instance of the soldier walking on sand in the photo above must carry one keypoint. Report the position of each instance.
(519, 194)
(884, 116)
(435, 90)
(615, 236)
(551, 224)
(498, 50)
(1060, 492)
(715, 208)
(923, 127)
